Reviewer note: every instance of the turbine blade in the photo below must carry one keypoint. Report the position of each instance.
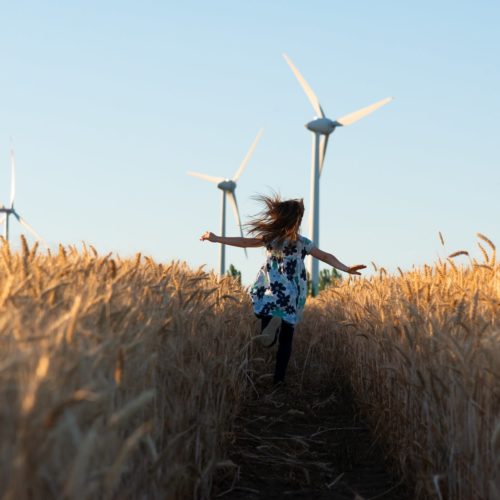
(13, 178)
(248, 156)
(357, 115)
(234, 204)
(28, 227)
(209, 178)
(2, 218)
(307, 89)
(322, 152)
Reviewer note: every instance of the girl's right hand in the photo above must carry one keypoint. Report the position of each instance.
(355, 269)
(207, 235)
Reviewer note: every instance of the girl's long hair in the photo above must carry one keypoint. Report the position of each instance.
(278, 221)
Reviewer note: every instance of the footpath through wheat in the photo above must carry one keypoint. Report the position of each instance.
(304, 443)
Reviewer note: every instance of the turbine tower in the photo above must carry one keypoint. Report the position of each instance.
(322, 127)
(228, 187)
(8, 211)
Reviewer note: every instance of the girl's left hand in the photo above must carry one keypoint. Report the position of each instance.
(207, 235)
(355, 269)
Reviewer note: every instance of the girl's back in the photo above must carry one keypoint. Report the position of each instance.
(281, 285)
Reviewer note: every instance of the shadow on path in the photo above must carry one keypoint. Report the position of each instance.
(304, 443)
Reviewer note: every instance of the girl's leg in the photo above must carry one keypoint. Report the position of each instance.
(284, 351)
(264, 321)
(269, 329)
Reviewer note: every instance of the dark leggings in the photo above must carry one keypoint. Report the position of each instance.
(284, 349)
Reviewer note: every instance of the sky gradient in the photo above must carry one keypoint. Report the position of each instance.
(109, 104)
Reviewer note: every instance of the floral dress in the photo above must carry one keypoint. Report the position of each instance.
(281, 285)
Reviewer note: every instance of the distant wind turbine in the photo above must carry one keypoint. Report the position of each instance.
(322, 127)
(228, 187)
(10, 210)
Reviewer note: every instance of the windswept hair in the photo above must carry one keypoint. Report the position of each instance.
(278, 221)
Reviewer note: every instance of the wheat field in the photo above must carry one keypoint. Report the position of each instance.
(421, 352)
(120, 378)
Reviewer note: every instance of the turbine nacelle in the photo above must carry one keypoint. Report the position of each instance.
(323, 126)
(227, 185)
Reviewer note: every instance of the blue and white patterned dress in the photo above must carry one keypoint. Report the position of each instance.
(281, 285)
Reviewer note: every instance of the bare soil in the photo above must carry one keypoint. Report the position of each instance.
(298, 442)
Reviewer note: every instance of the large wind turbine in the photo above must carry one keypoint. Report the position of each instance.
(322, 127)
(228, 187)
(10, 210)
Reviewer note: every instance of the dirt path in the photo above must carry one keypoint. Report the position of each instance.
(304, 443)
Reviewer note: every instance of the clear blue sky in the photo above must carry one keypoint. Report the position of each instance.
(109, 104)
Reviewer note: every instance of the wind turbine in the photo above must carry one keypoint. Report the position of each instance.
(228, 187)
(8, 211)
(322, 127)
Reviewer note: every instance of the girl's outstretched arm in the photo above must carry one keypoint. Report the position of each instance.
(330, 259)
(233, 241)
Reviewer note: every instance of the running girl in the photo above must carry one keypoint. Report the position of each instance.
(279, 292)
